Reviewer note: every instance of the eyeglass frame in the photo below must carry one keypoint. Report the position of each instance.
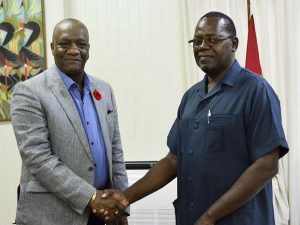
(208, 41)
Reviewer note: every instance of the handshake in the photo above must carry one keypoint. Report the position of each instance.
(109, 205)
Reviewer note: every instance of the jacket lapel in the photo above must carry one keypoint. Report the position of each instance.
(63, 96)
(102, 113)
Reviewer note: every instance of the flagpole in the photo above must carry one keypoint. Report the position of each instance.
(248, 8)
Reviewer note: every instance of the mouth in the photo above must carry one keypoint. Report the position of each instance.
(205, 56)
(73, 60)
(204, 59)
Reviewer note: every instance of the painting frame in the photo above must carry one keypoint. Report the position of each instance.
(22, 46)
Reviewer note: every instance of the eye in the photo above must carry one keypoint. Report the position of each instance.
(198, 42)
(63, 45)
(213, 40)
(82, 45)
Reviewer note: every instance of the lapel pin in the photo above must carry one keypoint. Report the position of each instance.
(97, 94)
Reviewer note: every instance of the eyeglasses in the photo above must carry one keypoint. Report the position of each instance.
(211, 41)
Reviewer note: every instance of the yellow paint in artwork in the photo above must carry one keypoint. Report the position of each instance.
(36, 48)
(13, 45)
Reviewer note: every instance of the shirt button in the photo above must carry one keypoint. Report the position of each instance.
(92, 143)
(196, 125)
(192, 204)
(191, 152)
(87, 123)
(190, 179)
(91, 168)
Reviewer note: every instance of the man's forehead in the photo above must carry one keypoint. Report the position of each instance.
(70, 26)
(212, 21)
(210, 25)
(71, 29)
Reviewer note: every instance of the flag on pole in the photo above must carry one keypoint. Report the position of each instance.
(252, 54)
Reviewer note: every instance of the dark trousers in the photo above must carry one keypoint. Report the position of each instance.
(94, 220)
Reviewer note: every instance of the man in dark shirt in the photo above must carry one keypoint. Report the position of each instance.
(225, 142)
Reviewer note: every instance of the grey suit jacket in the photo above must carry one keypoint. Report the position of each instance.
(57, 168)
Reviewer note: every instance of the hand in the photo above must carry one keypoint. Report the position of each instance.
(117, 195)
(106, 209)
(204, 220)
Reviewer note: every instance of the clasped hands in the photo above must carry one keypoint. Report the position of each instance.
(109, 204)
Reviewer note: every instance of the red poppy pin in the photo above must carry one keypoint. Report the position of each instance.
(97, 94)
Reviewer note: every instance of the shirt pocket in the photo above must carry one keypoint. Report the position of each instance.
(217, 121)
(217, 127)
(110, 121)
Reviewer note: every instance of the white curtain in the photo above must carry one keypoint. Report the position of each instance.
(278, 33)
(270, 27)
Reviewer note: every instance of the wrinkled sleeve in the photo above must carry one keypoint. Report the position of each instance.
(265, 131)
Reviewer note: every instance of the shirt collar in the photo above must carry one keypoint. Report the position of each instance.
(69, 82)
(230, 76)
(229, 79)
(232, 73)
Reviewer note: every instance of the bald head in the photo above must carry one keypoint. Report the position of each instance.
(226, 21)
(66, 24)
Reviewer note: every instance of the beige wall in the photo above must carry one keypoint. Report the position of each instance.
(9, 172)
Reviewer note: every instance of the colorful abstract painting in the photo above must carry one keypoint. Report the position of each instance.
(22, 46)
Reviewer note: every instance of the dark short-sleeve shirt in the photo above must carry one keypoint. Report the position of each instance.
(217, 136)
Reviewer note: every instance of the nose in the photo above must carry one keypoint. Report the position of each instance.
(205, 44)
(73, 49)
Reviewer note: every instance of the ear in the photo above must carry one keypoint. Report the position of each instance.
(52, 47)
(235, 44)
(88, 51)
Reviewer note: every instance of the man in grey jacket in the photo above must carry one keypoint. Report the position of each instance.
(66, 126)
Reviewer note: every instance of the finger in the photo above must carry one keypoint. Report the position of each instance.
(109, 218)
(118, 195)
(102, 212)
(107, 193)
(112, 204)
(104, 194)
(106, 213)
(120, 206)
(115, 205)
